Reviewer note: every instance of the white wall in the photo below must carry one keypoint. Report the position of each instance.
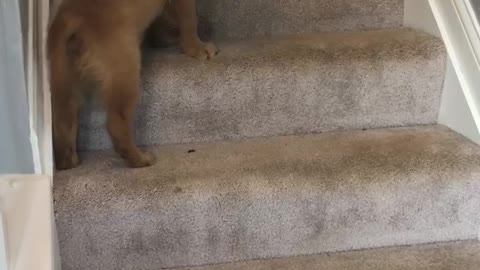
(454, 110)
(15, 148)
(418, 15)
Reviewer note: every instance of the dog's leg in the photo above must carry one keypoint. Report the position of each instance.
(66, 101)
(65, 106)
(120, 91)
(188, 25)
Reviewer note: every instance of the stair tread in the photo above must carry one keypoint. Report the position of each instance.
(446, 256)
(326, 161)
(342, 45)
(270, 197)
(294, 84)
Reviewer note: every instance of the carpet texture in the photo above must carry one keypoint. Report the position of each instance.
(296, 84)
(252, 18)
(449, 256)
(269, 198)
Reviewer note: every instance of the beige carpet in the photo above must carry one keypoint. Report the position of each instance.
(268, 198)
(449, 256)
(253, 18)
(286, 67)
(286, 85)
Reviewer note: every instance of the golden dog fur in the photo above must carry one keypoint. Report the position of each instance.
(99, 41)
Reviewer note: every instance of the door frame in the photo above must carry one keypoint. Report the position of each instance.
(38, 87)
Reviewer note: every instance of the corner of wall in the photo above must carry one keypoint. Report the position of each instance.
(454, 111)
(418, 15)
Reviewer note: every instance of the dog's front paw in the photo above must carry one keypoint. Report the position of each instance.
(142, 160)
(201, 50)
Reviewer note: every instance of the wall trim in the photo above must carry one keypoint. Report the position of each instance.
(38, 88)
(460, 32)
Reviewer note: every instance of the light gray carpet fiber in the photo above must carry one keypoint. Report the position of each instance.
(269, 198)
(297, 84)
(252, 18)
(448, 256)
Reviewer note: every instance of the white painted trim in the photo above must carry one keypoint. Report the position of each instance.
(471, 25)
(38, 88)
(46, 143)
(31, 87)
(458, 30)
(3, 244)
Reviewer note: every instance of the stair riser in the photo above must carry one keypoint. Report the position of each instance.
(188, 101)
(202, 231)
(250, 18)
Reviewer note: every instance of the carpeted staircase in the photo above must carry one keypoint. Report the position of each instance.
(313, 131)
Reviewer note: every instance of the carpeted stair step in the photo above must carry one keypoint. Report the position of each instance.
(448, 256)
(296, 84)
(251, 18)
(269, 198)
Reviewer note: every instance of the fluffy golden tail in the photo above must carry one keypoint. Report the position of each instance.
(63, 47)
(62, 42)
